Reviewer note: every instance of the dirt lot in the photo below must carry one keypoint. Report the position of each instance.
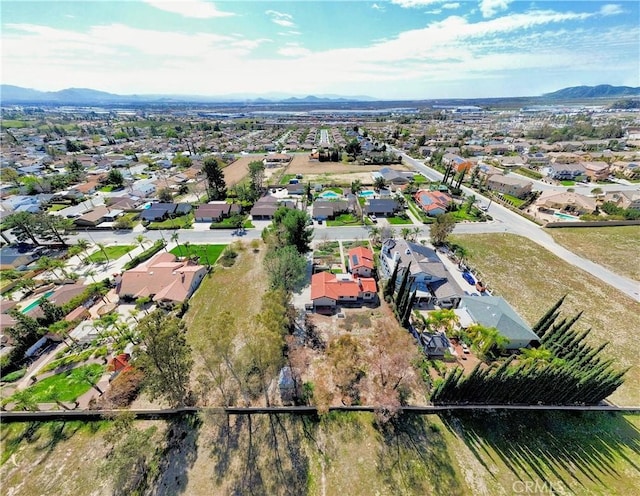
(238, 170)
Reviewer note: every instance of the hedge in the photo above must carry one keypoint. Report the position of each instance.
(145, 255)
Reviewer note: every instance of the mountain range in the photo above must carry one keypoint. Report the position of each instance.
(85, 96)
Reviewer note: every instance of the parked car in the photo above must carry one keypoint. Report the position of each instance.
(373, 218)
(469, 278)
(465, 348)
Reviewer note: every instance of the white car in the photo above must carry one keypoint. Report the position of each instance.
(484, 207)
(373, 218)
(465, 348)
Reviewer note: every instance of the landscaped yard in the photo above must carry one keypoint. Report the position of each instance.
(568, 183)
(532, 279)
(113, 252)
(206, 253)
(514, 200)
(182, 222)
(344, 220)
(613, 247)
(57, 206)
(66, 386)
(396, 219)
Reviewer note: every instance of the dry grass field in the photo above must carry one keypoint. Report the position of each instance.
(238, 170)
(612, 247)
(532, 279)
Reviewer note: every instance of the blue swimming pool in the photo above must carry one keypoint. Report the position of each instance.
(367, 193)
(35, 303)
(565, 216)
(329, 194)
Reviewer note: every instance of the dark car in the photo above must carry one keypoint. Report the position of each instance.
(469, 278)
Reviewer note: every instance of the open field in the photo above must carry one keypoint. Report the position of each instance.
(612, 247)
(345, 453)
(238, 170)
(532, 279)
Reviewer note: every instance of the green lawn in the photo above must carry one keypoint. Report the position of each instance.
(113, 253)
(514, 200)
(399, 220)
(462, 214)
(286, 177)
(203, 252)
(419, 179)
(57, 206)
(344, 220)
(524, 171)
(12, 123)
(108, 188)
(568, 183)
(226, 223)
(63, 384)
(182, 222)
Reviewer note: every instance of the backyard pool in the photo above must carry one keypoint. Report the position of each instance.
(367, 193)
(35, 303)
(329, 194)
(565, 216)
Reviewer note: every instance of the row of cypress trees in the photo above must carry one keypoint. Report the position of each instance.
(575, 373)
(404, 297)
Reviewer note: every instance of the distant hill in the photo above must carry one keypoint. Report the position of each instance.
(86, 96)
(600, 91)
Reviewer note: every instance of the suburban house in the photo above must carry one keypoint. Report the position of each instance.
(494, 311)
(328, 209)
(97, 216)
(330, 290)
(361, 261)
(276, 159)
(624, 199)
(436, 345)
(457, 162)
(144, 189)
(567, 201)
(383, 207)
(431, 281)
(163, 278)
(266, 207)
(158, 212)
(63, 295)
(12, 257)
(565, 172)
(433, 203)
(215, 212)
(392, 176)
(596, 171)
(630, 170)
(509, 185)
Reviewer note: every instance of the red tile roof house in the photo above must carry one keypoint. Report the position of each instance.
(330, 290)
(163, 278)
(433, 203)
(361, 261)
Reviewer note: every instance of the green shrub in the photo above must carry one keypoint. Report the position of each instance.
(228, 257)
(145, 255)
(14, 376)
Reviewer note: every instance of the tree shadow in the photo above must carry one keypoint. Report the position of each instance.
(415, 458)
(179, 455)
(575, 449)
(257, 455)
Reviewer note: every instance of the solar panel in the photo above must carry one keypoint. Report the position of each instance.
(354, 260)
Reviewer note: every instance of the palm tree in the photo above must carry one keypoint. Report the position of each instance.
(24, 401)
(87, 375)
(92, 274)
(186, 246)
(55, 395)
(49, 264)
(379, 183)
(175, 237)
(104, 251)
(61, 265)
(406, 232)
(141, 240)
(442, 320)
(471, 199)
(83, 245)
(374, 234)
(356, 186)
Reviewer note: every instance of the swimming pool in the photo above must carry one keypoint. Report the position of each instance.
(565, 216)
(35, 303)
(367, 193)
(329, 194)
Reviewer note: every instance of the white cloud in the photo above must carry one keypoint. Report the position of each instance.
(489, 8)
(375, 6)
(611, 9)
(451, 6)
(294, 50)
(198, 9)
(280, 18)
(452, 53)
(414, 3)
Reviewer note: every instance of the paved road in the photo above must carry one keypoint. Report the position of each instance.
(514, 223)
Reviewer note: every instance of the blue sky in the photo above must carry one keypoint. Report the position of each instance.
(388, 49)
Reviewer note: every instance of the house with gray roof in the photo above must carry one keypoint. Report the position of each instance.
(494, 311)
(431, 278)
